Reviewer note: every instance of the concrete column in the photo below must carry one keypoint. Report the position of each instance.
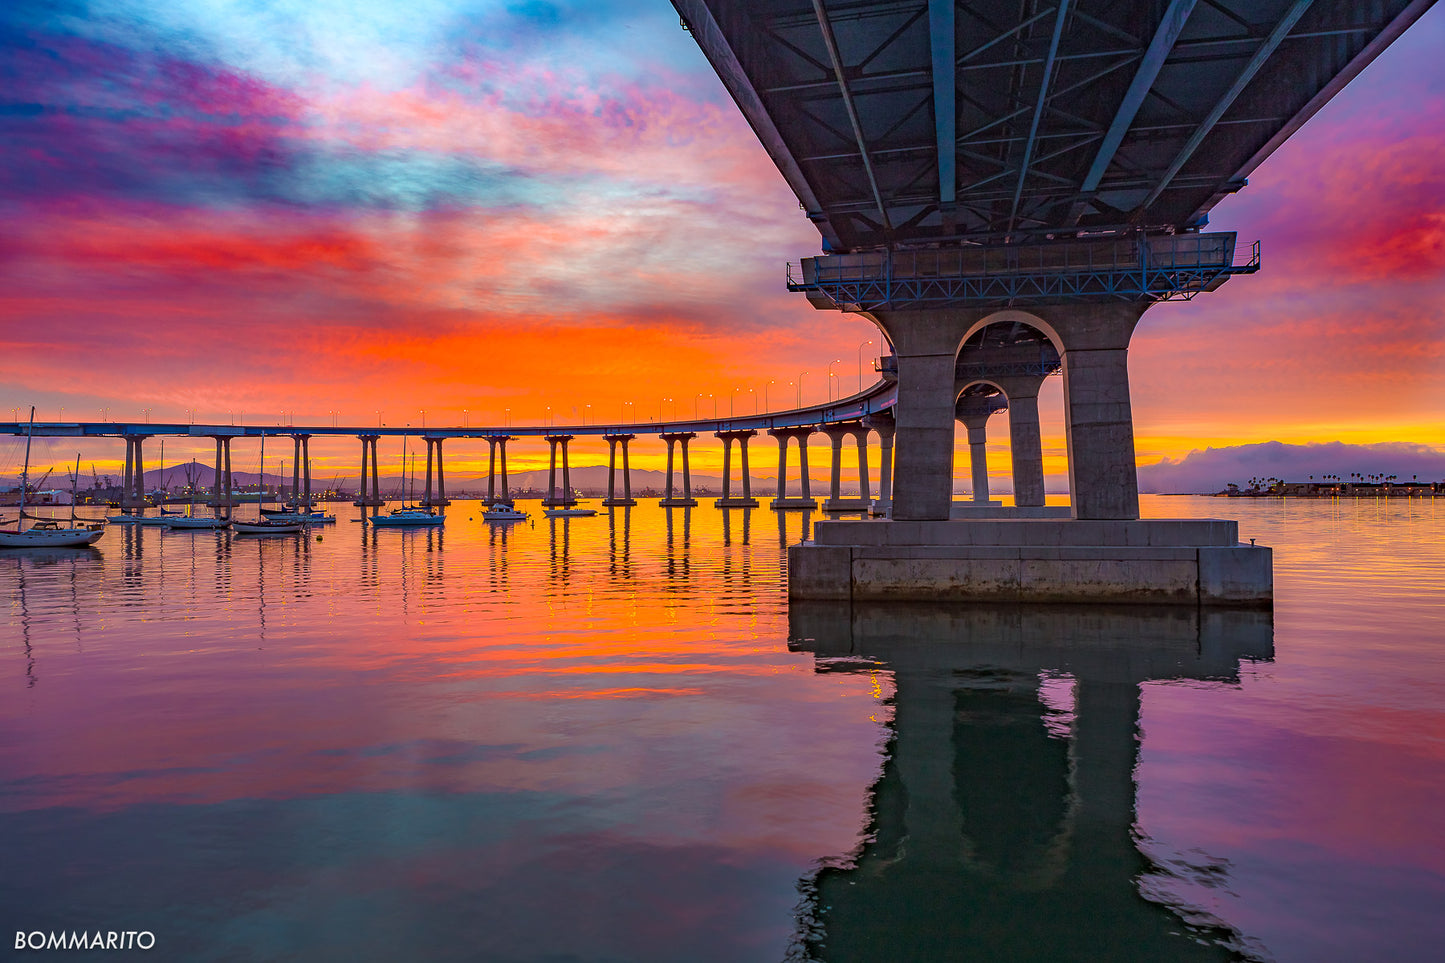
(861, 436)
(611, 470)
(1027, 450)
(626, 473)
(506, 492)
(924, 456)
(782, 467)
(977, 425)
(1099, 425)
(727, 479)
(441, 498)
(306, 470)
(686, 470)
(361, 489)
(613, 441)
(835, 481)
(747, 478)
(491, 471)
(803, 466)
(216, 480)
(226, 450)
(375, 473)
(295, 471)
(127, 483)
(885, 472)
(140, 474)
(567, 497)
(551, 472)
(669, 468)
(426, 499)
(673, 500)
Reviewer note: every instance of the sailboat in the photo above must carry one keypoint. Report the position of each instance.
(265, 525)
(298, 512)
(48, 532)
(411, 516)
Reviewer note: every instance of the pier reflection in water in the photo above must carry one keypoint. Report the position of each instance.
(1003, 824)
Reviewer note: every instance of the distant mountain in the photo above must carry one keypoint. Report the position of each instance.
(1212, 469)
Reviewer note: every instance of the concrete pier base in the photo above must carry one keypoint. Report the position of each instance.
(793, 503)
(1149, 561)
(734, 502)
(847, 505)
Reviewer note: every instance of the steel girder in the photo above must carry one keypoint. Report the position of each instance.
(1059, 116)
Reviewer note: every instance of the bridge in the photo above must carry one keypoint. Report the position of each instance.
(861, 416)
(1040, 172)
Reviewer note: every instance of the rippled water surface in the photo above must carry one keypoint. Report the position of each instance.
(591, 739)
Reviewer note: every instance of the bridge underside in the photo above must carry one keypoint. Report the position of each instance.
(1045, 163)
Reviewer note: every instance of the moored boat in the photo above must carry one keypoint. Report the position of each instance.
(501, 512)
(48, 532)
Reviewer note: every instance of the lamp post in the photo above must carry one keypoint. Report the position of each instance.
(508, 418)
(830, 377)
(585, 412)
(767, 406)
(860, 364)
(466, 418)
(755, 400)
(800, 388)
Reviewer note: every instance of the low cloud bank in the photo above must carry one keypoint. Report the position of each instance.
(1213, 468)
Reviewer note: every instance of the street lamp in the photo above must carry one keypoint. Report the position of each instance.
(830, 377)
(755, 400)
(466, 419)
(860, 364)
(696, 398)
(585, 412)
(422, 411)
(800, 388)
(765, 396)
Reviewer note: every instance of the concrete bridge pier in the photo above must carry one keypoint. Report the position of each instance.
(612, 501)
(567, 498)
(672, 500)
(438, 500)
(1103, 553)
(132, 492)
(835, 501)
(805, 499)
(885, 426)
(727, 500)
(295, 500)
(306, 471)
(369, 497)
(495, 442)
(973, 412)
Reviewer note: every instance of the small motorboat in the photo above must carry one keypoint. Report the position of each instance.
(306, 518)
(569, 512)
(123, 519)
(501, 512)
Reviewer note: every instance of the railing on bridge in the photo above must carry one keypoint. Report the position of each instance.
(1162, 268)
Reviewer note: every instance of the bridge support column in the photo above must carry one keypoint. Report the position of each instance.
(836, 502)
(426, 496)
(495, 442)
(672, 501)
(229, 481)
(438, 499)
(883, 504)
(127, 476)
(976, 421)
(306, 472)
(1027, 449)
(612, 501)
(727, 500)
(566, 499)
(370, 494)
(295, 499)
(139, 494)
(805, 499)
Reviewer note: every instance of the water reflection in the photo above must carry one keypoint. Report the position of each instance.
(1003, 825)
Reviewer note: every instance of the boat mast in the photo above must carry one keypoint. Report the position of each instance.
(25, 472)
(73, 479)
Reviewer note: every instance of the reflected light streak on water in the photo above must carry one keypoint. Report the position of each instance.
(590, 739)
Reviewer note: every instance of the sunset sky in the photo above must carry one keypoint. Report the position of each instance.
(233, 208)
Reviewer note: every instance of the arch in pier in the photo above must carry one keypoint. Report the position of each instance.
(1005, 354)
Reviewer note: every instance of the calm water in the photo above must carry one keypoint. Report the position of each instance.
(610, 739)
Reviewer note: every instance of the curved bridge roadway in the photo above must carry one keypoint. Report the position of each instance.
(857, 415)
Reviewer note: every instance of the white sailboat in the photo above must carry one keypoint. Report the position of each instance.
(48, 532)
